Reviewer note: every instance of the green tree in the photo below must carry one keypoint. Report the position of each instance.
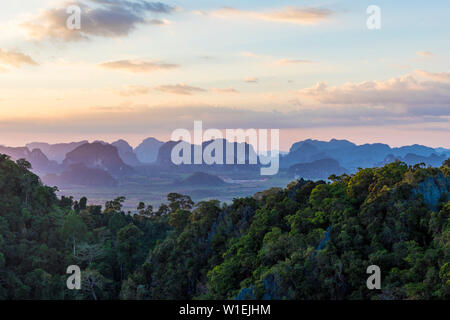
(128, 245)
(74, 229)
(179, 201)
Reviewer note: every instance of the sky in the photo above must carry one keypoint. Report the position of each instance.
(312, 69)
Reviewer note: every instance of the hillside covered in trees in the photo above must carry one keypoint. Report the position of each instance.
(311, 240)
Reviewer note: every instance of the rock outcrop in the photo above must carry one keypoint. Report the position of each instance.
(433, 189)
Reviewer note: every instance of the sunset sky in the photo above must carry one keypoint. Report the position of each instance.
(313, 69)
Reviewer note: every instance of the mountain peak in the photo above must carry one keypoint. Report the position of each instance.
(147, 151)
(126, 152)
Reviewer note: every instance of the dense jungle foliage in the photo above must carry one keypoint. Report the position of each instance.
(311, 240)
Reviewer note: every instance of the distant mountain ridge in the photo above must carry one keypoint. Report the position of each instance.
(323, 145)
(116, 159)
(145, 153)
(37, 159)
(56, 152)
(151, 156)
(352, 156)
(412, 159)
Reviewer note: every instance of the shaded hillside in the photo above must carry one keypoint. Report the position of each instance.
(242, 153)
(432, 160)
(147, 151)
(201, 179)
(319, 169)
(40, 235)
(416, 149)
(80, 175)
(312, 240)
(303, 153)
(98, 155)
(126, 153)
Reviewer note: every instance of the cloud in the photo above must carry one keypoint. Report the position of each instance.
(424, 53)
(224, 90)
(289, 61)
(297, 15)
(439, 76)
(109, 109)
(288, 14)
(103, 18)
(249, 54)
(15, 59)
(402, 95)
(181, 89)
(128, 119)
(159, 22)
(200, 12)
(251, 80)
(134, 90)
(207, 57)
(137, 66)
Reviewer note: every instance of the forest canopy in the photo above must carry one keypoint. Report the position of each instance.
(311, 240)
